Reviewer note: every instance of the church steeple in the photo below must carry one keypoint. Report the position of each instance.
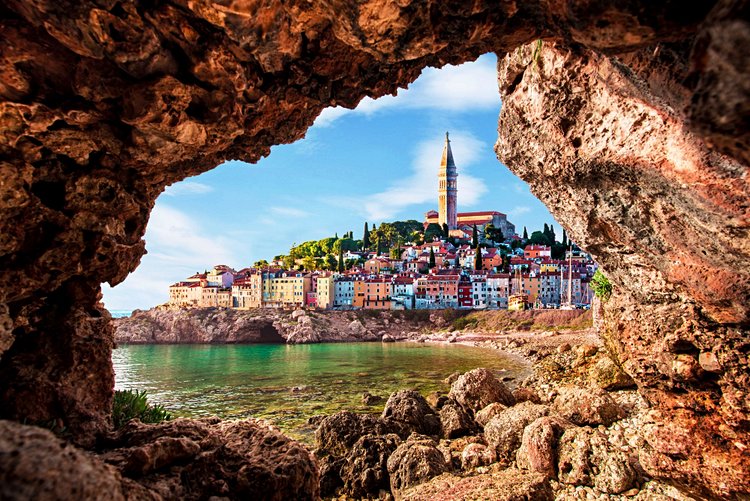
(448, 188)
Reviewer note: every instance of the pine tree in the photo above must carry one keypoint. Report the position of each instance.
(474, 237)
(341, 260)
(366, 238)
(432, 258)
(477, 258)
(525, 234)
(565, 238)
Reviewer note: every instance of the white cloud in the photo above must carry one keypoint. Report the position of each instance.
(187, 188)
(184, 247)
(467, 87)
(422, 185)
(289, 211)
(519, 210)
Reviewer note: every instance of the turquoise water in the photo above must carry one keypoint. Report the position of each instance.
(287, 384)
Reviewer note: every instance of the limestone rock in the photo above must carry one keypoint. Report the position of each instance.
(370, 399)
(34, 464)
(412, 410)
(485, 415)
(337, 434)
(414, 462)
(504, 431)
(526, 395)
(539, 445)
(478, 388)
(608, 376)
(365, 471)
(504, 485)
(475, 455)
(454, 420)
(587, 406)
(586, 458)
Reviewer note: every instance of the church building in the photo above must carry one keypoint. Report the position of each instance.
(460, 223)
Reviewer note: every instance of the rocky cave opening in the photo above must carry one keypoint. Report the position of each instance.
(629, 120)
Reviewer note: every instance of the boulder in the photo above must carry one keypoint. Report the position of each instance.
(504, 431)
(587, 406)
(296, 314)
(587, 458)
(365, 472)
(452, 378)
(411, 409)
(608, 376)
(35, 464)
(455, 421)
(504, 485)
(413, 462)
(483, 416)
(539, 443)
(475, 455)
(526, 395)
(478, 388)
(338, 433)
(370, 399)
(387, 338)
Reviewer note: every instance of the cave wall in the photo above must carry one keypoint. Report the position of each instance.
(104, 103)
(607, 149)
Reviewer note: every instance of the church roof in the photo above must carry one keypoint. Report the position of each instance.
(447, 160)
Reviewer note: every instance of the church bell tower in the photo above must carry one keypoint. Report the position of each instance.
(448, 189)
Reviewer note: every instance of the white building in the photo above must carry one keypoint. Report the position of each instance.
(479, 292)
(343, 292)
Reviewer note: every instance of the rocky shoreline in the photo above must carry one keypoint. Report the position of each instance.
(574, 428)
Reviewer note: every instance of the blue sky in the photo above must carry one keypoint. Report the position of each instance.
(376, 163)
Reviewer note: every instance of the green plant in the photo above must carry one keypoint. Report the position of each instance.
(601, 286)
(464, 322)
(537, 52)
(131, 404)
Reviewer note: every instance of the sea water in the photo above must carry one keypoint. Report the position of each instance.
(287, 384)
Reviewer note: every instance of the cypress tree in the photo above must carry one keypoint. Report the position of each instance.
(474, 237)
(341, 259)
(446, 232)
(565, 238)
(553, 237)
(525, 234)
(432, 258)
(478, 259)
(366, 238)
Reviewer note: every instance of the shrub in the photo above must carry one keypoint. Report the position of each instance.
(463, 322)
(131, 404)
(601, 285)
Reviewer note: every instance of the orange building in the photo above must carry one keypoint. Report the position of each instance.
(377, 293)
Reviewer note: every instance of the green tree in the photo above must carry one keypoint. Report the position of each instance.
(432, 231)
(309, 263)
(341, 260)
(553, 237)
(478, 259)
(565, 238)
(474, 237)
(432, 258)
(366, 238)
(446, 231)
(260, 264)
(538, 238)
(289, 262)
(601, 285)
(525, 234)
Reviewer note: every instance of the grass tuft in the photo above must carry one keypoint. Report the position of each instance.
(132, 404)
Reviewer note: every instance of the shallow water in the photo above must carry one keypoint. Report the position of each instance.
(287, 384)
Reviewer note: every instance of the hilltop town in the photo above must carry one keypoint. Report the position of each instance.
(471, 260)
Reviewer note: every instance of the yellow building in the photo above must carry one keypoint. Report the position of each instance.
(215, 297)
(325, 291)
(247, 293)
(359, 293)
(287, 290)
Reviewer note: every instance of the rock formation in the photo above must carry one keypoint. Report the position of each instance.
(609, 152)
(629, 119)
